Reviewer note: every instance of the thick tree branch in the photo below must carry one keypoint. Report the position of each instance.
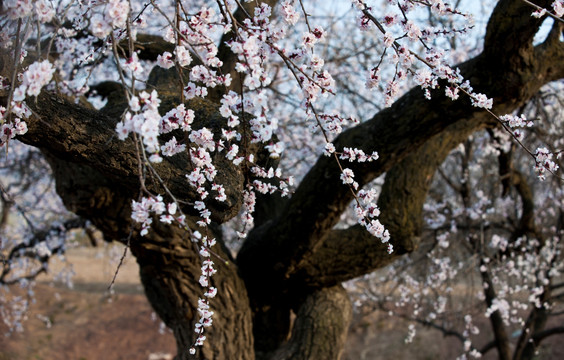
(295, 236)
(541, 335)
(346, 254)
(84, 136)
(511, 28)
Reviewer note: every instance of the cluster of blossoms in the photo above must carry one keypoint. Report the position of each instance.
(181, 56)
(481, 101)
(32, 80)
(544, 162)
(251, 48)
(18, 9)
(141, 212)
(357, 155)
(263, 187)
(367, 212)
(543, 157)
(435, 67)
(194, 33)
(334, 123)
(208, 270)
(9, 130)
(249, 202)
(114, 16)
(515, 123)
(143, 119)
(262, 126)
(400, 35)
(557, 8)
(291, 16)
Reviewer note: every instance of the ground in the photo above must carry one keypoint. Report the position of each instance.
(86, 322)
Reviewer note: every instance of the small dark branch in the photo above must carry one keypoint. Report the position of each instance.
(500, 333)
(5, 195)
(505, 165)
(541, 335)
(26, 249)
(6, 204)
(556, 286)
(489, 346)
(91, 233)
(446, 332)
(40, 236)
(527, 222)
(429, 324)
(121, 260)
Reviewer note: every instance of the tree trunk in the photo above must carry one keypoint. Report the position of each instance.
(170, 267)
(320, 328)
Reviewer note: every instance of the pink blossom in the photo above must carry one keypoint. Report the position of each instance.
(182, 56)
(116, 13)
(44, 11)
(99, 26)
(172, 147)
(347, 176)
(481, 101)
(412, 30)
(37, 76)
(18, 9)
(165, 60)
(290, 14)
(558, 7)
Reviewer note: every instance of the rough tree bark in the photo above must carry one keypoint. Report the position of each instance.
(293, 263)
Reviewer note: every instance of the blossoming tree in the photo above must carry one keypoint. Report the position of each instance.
(162, 120)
